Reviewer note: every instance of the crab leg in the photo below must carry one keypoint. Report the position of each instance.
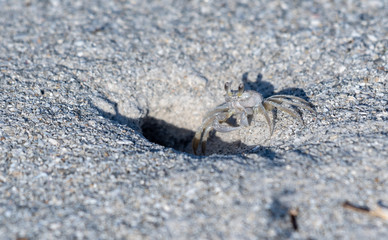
(217, 110)
(292, 97)
(244, 119)
(219, 128)
(196, 140)
(285, 109)
(209, 124)
(198, 135)
(209, 117)
(263, 110)
(280, 100)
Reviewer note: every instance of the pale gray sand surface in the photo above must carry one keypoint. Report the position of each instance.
(82, 83)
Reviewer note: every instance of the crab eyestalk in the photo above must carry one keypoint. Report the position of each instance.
(227, 89)
(240, 89)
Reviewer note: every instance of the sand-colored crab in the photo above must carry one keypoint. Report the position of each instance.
(243, 104)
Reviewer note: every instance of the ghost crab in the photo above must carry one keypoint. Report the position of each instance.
(243, 104)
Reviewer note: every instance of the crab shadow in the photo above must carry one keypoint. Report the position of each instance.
(266, 89)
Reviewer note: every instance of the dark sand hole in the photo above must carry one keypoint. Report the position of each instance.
(163, 133)
(168, 135)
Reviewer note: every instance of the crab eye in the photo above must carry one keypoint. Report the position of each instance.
(240, 89)
(227, 88)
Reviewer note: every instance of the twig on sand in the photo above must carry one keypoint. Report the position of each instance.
(375, 212)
